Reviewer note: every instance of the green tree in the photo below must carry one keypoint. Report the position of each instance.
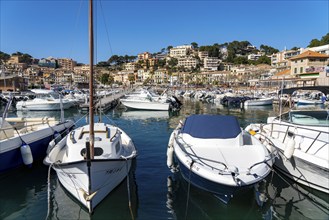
(25, 58)
(104, 79)
(325, 39)
(172, 62)
(168, 48)
(110, 80)
(102, 64)
(295, 48)
(194, 45)
(240, 60)
(131, 78)
(264, 60)
(268, 50)
(237, 47)
(4, 57)
(314, 43)
(161, 63)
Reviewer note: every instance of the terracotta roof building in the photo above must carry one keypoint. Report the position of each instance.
(311, 67)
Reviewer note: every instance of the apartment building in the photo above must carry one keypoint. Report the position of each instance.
(254, 56)
(130, 66)
(189, 62)
(160, 76)
(79, 78)
(144, 56)
(82, 69)
(48, 62)
(123, 77)
(320, 49)
(66, 63)
(211, 63)
(180, 51)
(16, 63)
(284, 55)
(12, 82)
(311, 68)
(15, 59)
(202, 55)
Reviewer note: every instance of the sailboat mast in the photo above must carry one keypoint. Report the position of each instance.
(91, 79)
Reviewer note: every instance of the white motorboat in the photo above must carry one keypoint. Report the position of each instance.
(259, 102)
(93, 159)
(146, 100)
(46, 100)
(301, 139)
(216, 155)
(145, 104)
(25, 140)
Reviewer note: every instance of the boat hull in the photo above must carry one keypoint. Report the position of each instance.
(259, 102)
(36, 106)
(10, 154)
(301, 143)
(223, 192)
(309, 102)
(215, 155)
(140, 105)
(89, 181)
(304, 172)
(105, 176)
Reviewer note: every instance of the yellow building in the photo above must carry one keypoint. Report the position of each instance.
(310, 67)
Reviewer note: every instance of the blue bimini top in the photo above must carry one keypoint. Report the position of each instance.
(211, 126)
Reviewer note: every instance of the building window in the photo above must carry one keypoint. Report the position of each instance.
(301, 61)
(301, 70)
(295, 70)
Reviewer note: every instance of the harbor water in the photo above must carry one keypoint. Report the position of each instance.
(156, 192)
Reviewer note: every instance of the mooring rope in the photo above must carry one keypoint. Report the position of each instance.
(128, 190)
(188, 189)
(49, 191)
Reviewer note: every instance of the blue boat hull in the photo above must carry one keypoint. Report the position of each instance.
(223, 192)
(13, 158)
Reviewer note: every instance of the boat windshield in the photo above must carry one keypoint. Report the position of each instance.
(314, 118)
(52, 95)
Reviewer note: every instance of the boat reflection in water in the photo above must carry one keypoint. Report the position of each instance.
(284, 199)
(143, 115)
(115, 206)
(273, 198)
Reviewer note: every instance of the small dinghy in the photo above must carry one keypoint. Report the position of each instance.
(216, 155)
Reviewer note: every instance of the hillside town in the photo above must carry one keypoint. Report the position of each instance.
(184, 65)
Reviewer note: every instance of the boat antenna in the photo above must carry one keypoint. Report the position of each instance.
(91, 80)
(280, 99)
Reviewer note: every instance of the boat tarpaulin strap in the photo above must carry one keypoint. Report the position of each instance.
(211, 126)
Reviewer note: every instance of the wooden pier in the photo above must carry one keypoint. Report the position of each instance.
(105, 102)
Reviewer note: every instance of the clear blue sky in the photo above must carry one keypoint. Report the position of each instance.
(58, 28)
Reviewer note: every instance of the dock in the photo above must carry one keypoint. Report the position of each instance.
(105, 102)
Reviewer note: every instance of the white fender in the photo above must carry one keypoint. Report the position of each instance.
(26, 154)
(289, 149)
(51, 145)
(170, 151)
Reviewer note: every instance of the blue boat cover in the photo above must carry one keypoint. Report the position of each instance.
(211, 126)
